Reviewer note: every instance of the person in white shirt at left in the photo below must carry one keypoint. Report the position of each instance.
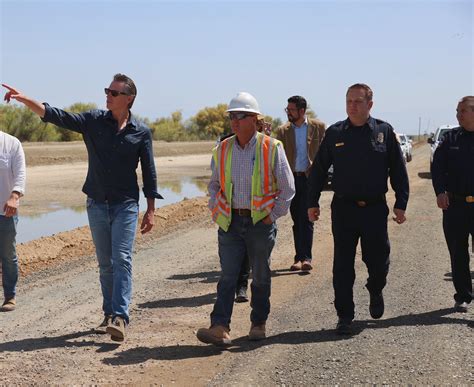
(12, 187)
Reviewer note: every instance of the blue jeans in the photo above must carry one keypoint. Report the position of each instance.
(113, 228)
(8, 255)
(257, 241)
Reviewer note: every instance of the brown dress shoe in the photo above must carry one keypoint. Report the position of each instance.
(257, 332)
(103, 325)
(9, 305)
(116, 329)
(306, 266)
(296, 266)
(217, 335)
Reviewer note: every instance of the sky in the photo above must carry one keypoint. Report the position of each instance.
(417, 56)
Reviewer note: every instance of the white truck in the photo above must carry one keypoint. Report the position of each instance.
(437, 137)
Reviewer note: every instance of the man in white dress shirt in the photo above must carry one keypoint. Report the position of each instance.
(12, 187)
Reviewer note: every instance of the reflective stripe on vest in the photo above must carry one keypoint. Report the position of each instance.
(264, 188)
(264, 199)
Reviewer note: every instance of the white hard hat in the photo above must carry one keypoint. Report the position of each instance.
(244, 102)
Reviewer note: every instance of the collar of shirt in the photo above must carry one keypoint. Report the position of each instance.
(251, 143)
(370, 123)
(132, 121)
(303, 125)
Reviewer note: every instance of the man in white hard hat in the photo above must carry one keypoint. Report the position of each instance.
(251, 186)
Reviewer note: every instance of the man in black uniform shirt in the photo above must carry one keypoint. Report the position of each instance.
(364, 153)
(453, 181)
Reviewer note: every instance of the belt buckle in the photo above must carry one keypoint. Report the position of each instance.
(470, 199)
(361, 203)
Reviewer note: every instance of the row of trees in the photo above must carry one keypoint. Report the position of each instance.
(207, 124)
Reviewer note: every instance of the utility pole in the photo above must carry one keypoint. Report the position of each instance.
(419, 128)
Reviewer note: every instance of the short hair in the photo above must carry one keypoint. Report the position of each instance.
(299, 101)
(130, 87)
(369, 94)
(469, 99)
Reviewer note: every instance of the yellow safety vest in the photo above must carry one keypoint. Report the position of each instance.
(264, 187)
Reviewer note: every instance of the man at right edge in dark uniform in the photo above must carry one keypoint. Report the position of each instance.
(453, 181)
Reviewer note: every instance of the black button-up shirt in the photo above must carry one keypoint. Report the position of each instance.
(113, 155)
(363, 159)
(453, 163)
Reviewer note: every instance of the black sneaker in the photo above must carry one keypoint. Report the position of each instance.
(460, 307)
(376, 307)
(344, 327)
(241, 295)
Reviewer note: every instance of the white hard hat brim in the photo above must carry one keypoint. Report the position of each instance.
(243, 110)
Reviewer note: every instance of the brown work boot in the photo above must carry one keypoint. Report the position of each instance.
(257, 332)
(116, 329)
(306, 266)
(296, 266)
(103, 325)
(9, 305)
(217, 335)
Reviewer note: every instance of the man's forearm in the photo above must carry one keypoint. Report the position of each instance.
(34, 106)
(150, 202)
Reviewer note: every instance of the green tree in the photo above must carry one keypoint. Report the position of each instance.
(210, 122)
(310, 113)
(169, 128)
(25, 125)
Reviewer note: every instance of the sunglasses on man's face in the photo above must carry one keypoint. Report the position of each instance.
(238, 116)
(114, 93)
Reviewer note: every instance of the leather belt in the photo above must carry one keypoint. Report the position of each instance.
(241, 212)
(461, 198)
(362, 202)
(299, 173)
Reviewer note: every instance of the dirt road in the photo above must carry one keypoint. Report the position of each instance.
(419, 339)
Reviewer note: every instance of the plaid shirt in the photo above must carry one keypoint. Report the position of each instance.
(242, 170)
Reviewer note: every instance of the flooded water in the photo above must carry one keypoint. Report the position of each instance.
(63, 219)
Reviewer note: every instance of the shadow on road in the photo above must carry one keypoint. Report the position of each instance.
(34, 344)
(241, 344)
(173, 352)
(207, 277)
(424, 175)
(436, 317)
(277, 273)
(190, 302)
(449, 276)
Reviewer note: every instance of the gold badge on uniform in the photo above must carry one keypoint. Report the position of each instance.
(380, 138)
(339, 144)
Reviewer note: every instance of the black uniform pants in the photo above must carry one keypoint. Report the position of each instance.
(302, 227)
(458, 223)
(349, 224)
